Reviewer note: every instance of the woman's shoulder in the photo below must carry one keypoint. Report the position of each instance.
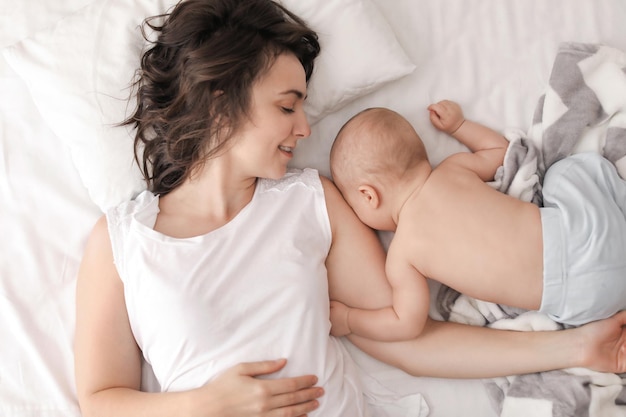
(307, 177)
(144, 200)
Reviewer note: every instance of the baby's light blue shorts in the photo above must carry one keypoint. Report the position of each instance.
(584, 240)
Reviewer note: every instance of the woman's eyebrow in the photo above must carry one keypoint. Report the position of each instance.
(297, 93)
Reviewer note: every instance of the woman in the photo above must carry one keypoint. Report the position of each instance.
(219, 275)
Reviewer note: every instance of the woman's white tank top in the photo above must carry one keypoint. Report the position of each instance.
(253, 289)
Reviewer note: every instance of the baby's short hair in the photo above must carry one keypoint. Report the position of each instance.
(375, 144)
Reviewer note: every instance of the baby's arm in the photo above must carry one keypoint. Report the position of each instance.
(488, 146)
(403, 320)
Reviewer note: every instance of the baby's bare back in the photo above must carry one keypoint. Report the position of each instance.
(463, 233)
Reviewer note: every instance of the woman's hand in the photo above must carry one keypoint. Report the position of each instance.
(339, 319)
(237, 392)
(604, 344)
(446, 116)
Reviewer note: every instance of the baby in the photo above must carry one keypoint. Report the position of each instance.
(567, 259)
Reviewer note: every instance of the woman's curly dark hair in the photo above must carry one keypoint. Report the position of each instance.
(193, 87)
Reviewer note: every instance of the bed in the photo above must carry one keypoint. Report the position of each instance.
(63, 69)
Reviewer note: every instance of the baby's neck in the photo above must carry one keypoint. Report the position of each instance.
(410, 186)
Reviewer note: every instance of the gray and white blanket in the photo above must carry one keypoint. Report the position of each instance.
(583, 109)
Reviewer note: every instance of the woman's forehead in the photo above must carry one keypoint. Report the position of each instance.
(285, 76)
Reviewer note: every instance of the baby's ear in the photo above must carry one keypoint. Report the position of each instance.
(369, 195)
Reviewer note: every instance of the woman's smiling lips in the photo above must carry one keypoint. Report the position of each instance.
(287, 150)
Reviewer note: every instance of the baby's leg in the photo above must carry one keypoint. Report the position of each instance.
(607, 179)
(591, 199)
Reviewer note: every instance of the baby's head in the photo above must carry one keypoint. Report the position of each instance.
(372, 153)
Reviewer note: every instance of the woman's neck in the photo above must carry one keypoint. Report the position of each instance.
(209, 199)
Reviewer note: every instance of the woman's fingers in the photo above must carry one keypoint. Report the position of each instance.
(296, 403)
(293, 396)
(276, 386)
(260, 368)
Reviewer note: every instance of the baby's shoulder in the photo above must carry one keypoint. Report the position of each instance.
(403, 249)
(453, 172)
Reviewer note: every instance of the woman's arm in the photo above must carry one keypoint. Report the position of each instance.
(108, 361)
(452, 350)
(357, 278)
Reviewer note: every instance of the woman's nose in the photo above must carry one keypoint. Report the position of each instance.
(302, 129)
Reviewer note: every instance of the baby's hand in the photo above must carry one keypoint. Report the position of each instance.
(446, 116)
(339, 319)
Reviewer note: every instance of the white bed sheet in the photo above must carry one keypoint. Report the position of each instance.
(492, 56)
(44, 217)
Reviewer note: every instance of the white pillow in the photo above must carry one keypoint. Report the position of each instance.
(360, 52)
(78, 73)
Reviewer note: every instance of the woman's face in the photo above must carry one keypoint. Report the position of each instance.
(264, 145)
